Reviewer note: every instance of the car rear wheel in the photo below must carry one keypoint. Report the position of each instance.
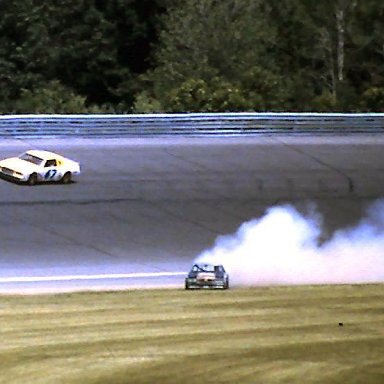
(32, 179)
(67, 178)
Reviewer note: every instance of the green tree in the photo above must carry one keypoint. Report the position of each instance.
(23, 49)
(210, 55)
(366, 69)
(53, 98)
(332, 47)
(278, 55)
(209, 43)
(96, 48)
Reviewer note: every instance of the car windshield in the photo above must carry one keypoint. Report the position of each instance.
(32, 159)
(203, 268)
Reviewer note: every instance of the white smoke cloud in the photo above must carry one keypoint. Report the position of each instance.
(283, 247)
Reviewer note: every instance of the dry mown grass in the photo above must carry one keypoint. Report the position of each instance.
(255, 335)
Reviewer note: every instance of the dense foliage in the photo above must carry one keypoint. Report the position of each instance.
(122, 56)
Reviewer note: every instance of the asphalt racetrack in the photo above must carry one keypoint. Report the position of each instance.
(143, 209)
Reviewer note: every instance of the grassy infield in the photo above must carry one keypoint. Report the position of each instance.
(253, 335)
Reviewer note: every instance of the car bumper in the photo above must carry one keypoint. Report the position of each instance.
(12, 177)
(211, 284)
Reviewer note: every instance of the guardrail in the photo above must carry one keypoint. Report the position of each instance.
(188, 124)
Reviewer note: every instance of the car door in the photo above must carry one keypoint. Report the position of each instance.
(51, 170)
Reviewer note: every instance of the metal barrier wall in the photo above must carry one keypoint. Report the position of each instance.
(194, 124)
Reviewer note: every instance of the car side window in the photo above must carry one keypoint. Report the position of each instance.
(50, 163)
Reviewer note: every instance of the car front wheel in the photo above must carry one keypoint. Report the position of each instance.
(32, 179)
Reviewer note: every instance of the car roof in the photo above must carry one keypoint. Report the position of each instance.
(44, 155)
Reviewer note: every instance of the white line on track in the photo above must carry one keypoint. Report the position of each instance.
(36, 279)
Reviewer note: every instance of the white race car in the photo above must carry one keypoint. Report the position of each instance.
(36, 166)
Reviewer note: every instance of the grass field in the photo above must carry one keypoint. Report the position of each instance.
(304, 334)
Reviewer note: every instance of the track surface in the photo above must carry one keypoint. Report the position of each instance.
(152, 205)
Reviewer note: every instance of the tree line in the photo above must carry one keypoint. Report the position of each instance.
(142, 56)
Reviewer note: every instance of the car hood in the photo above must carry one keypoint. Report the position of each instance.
(19, 165)
(206, 276)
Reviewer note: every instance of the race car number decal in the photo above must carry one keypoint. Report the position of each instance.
(50, 174)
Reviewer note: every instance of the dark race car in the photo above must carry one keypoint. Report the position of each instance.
(207, 276)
